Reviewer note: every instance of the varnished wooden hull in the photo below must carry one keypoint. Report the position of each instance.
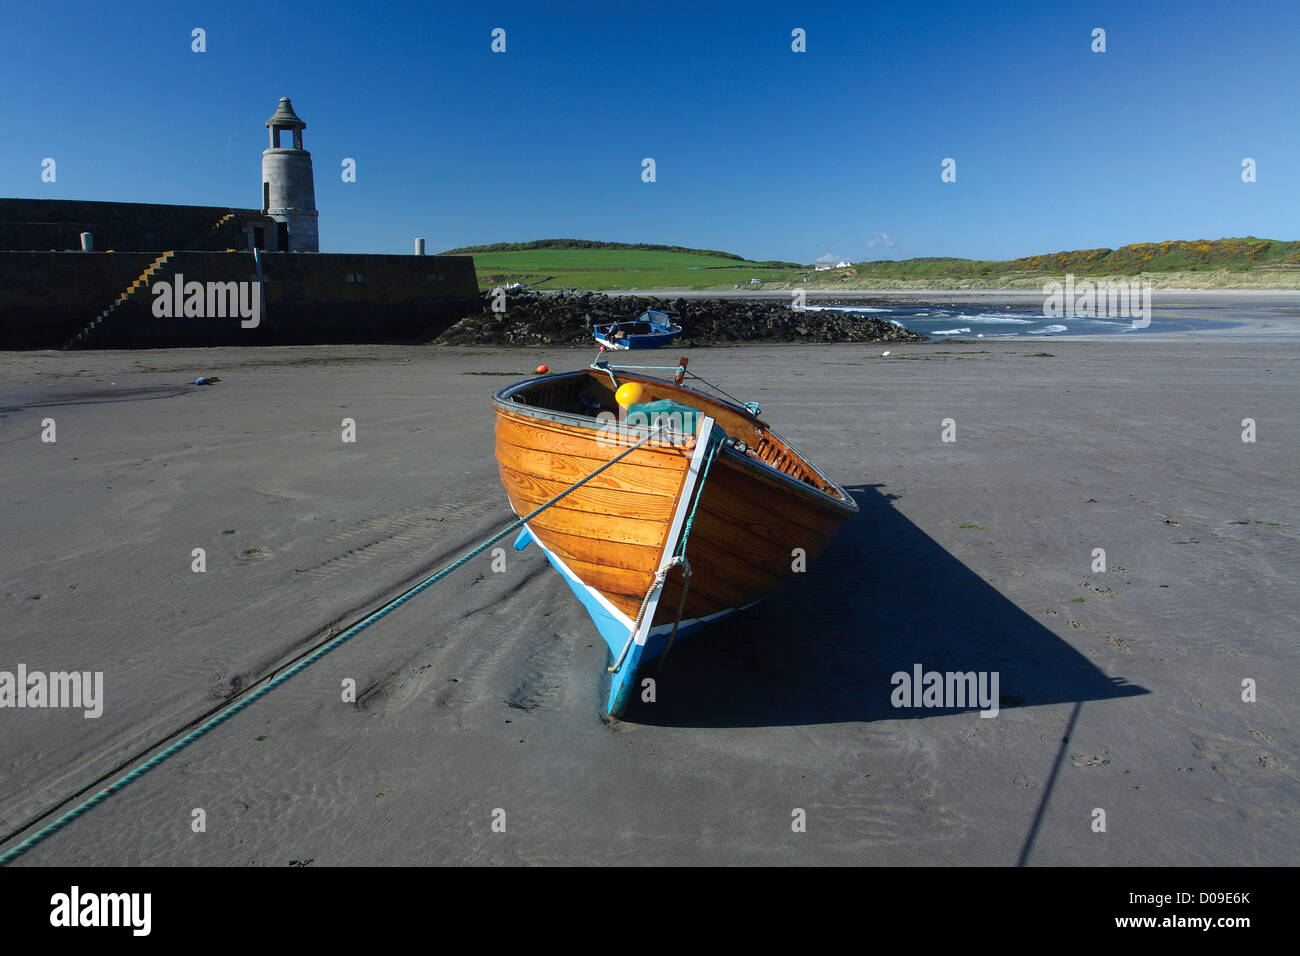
(753, 527)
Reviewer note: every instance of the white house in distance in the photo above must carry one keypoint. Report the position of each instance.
(844, 264)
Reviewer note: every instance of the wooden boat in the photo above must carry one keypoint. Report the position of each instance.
(750, 509)
(649, 330)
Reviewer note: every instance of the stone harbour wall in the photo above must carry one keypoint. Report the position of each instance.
(57, 224)
(47, 299)
(567, 318)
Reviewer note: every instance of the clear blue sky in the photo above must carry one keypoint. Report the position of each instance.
(759, 150)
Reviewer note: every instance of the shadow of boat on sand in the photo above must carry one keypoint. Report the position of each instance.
(883, 597)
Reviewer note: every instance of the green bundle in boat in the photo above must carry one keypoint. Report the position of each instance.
(682, 419)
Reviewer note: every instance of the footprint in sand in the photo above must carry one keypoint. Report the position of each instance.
(1090, 760)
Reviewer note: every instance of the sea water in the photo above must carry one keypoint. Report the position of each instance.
(969, 321)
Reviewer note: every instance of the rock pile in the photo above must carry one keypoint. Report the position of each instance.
(534, 318)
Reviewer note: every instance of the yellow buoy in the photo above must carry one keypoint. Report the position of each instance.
(629, 394)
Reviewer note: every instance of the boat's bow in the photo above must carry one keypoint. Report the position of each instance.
(714, 492)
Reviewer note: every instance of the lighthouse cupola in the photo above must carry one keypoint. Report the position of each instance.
(288, 190)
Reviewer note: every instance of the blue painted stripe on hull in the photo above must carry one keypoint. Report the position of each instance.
(615, 634)
(647, 341)
(622, 683)
(612, 629)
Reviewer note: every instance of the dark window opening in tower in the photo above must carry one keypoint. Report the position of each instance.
(266, 196)
(259, 237)
(282, 233)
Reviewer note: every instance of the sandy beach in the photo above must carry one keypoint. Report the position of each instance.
(1120, 690)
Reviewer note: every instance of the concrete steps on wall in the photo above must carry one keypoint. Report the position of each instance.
(208, 241)
(82, 338)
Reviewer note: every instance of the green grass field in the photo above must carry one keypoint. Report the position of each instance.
(1220, 263)
(620, 269)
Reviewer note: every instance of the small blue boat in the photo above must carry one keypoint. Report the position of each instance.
(649, 330)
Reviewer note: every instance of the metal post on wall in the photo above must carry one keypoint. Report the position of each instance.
(257, 259)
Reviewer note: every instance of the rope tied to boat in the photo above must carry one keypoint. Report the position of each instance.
(224, 715)
(660, 577)
(715, 446)
(716, 439)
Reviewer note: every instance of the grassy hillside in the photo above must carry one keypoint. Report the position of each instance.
(1203, 263)
(584, 244)
(1234, 255)
(561, 263)
(620, 268)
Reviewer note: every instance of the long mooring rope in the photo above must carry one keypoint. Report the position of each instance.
(216, 721)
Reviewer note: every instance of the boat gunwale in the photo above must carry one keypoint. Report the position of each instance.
(840, 500)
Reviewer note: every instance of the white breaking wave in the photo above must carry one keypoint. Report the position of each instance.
(1051, 329)
(948, 331)
(842, 308)
(997, 319)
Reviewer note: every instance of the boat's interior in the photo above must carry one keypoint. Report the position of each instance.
(631, 328)
(591, 392)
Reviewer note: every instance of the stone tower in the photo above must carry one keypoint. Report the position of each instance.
(288, 193)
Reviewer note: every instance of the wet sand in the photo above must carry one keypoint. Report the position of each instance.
(1121, 690)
